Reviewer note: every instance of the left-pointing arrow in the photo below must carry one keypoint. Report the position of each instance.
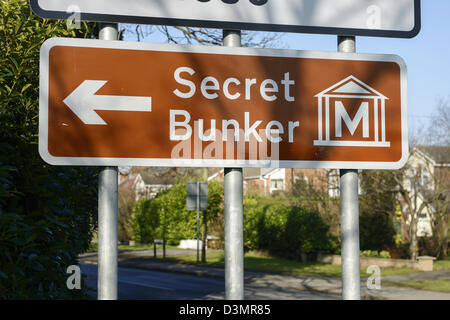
(83, 102)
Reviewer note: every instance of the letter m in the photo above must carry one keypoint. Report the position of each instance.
(341, 115)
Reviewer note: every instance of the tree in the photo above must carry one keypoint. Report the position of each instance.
(316, 199)
(127, 200)
(377, 210)
(47, 213)
(439, 126)
(439, 210)
(204, 36)
(145, 221)
(174, 221)
(429, 185)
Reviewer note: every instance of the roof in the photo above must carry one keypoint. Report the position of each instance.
(249, 173)
(127, 183)
(351, 85)
(171, 175)
(439, 154)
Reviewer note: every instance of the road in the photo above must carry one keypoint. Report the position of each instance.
(137, 284)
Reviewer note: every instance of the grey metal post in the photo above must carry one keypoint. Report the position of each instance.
(198, 219)
(349, 214)
(107, 214)
(234, 213)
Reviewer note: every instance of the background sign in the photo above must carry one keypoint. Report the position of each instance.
(384, 18)
(128, 103)
(191, 195)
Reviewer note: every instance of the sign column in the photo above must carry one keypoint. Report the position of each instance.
(349, 214)
(107, 214)
(234, 213)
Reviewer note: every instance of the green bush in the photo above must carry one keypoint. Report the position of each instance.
(375, 254)
(165, 216)
(377, 231)
(377, 210)
(145, 221)
(252, 216)
(47, 213)
(284, 230)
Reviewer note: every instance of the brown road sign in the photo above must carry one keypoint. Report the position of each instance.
(119, 103)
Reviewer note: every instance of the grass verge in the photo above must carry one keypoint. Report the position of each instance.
(441, 265)
(256, 261)
(138, 247)
(430, 285)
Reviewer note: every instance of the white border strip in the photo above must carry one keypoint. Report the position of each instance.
(88, 161)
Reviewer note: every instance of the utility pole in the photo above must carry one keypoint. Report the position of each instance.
(349, 213)
(234, 213)
(107, 213)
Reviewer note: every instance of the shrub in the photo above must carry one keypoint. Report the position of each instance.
(145, 221)
(165, 216)
(47, 213)
(127, 200)
(375, 254)
(377, 231)
(284, 230)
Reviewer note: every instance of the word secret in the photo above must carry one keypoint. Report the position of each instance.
(210, 87)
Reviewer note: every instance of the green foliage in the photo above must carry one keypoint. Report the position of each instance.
(165, 216)
(377, 210)
(377, 231)
(47, 214)
(284, 230)
(375, 254)
(145, 221)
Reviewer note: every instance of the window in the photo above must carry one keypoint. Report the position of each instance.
(276, 184)
(424, 178)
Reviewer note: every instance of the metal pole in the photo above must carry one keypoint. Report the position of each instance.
(234, 213)
(349, 214)
(198, 218)
(164, 233)
(107, 214)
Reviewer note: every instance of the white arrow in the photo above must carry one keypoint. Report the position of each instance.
(83, 102)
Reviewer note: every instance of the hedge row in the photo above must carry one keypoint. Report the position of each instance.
(284, 230)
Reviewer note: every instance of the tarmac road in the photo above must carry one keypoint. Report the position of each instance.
(138, 284)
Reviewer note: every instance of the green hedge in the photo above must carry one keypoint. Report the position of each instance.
(284, 230)
(166, 214)
(47, 213)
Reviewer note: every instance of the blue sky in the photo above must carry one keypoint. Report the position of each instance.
(427, 57)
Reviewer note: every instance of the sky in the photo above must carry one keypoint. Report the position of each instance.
(427, 57)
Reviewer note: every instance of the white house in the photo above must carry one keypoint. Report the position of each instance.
(143, 189)
(425, 166)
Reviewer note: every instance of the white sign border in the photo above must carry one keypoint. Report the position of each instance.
(94, 161)
(86, 16)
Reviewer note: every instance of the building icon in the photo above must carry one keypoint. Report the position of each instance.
(351, 113)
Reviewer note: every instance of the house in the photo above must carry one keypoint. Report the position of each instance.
(144, 185)
(149, 181)
(426, 170)
(269, 181)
